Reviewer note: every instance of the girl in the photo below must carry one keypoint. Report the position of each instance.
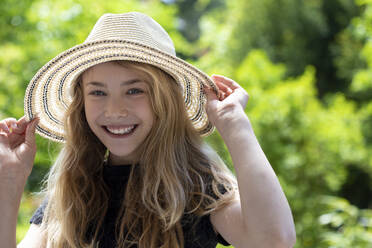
(133, 170)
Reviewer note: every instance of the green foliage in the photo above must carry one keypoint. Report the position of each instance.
(221, 246)
(189, 14)
(360, 32)
(347, 226)
(294, 32)
(308, 144)
(28, 205)
(313, 145)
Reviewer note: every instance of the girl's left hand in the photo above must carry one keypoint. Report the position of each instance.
(229, 105)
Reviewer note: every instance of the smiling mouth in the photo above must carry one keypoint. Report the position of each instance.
(120, 131)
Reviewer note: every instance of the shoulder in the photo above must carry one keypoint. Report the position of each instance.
(35, 238)
(227, 221)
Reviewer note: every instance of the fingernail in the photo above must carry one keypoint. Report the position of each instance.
(36, 121)
(36, 115)
(7, 129)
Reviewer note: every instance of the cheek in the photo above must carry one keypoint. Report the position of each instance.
(150, 115)
(89, 114)
(86, 110)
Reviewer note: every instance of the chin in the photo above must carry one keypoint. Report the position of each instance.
(120, 153)
(126, 156)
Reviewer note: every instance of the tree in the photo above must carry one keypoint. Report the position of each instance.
(294, 32)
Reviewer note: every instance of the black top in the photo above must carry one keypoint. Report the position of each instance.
(198, 231)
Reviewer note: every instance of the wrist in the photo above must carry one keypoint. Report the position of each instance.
(13, 175)
(234, 123)
(11, 191)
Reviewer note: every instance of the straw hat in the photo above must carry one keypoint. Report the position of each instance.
(131, 36)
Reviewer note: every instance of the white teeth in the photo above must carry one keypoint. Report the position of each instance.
(120, 130)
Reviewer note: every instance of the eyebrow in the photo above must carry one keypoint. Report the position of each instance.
(129, 82)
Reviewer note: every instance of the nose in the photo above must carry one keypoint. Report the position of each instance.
(116, 108)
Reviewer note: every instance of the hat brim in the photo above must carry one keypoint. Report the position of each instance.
(48, 94)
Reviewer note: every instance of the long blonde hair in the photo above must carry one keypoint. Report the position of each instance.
(177, 174)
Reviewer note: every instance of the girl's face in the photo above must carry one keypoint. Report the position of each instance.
(118, 109)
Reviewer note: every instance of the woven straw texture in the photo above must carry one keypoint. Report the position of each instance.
(131, 36)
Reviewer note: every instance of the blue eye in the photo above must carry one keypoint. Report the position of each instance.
(134, 91)
(97, 93)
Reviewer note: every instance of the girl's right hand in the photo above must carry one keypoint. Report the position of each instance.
(17, 149)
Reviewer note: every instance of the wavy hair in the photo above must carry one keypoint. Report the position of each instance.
(177, 173)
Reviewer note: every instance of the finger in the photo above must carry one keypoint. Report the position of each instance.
(229, 82)
(222, 86)
(214, 88)
(14, 127)
(222, 96)
(20, 126)
(4, 127)
(11, 123)
(30, 132)
(224, 89)
(22, 122)
(210, 94)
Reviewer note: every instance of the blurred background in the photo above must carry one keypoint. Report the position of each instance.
(307, 65)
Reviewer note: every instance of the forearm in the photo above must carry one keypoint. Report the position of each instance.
(265, 209)
(10, 198)
(17, 153)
